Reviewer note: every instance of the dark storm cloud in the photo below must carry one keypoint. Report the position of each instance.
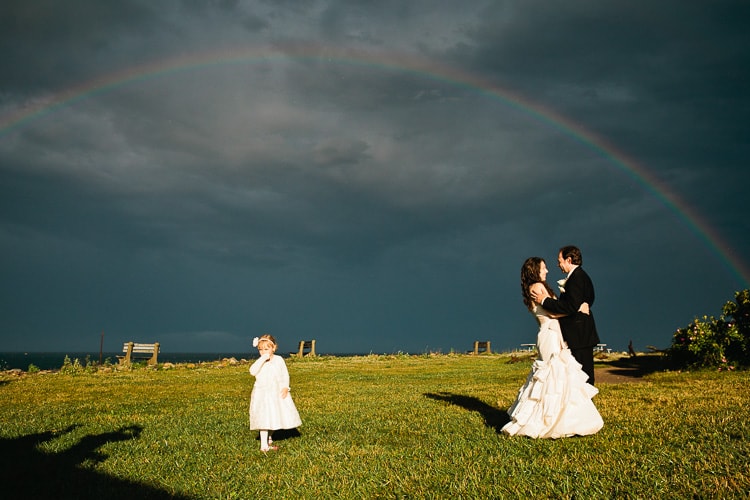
(309, 192)
(665, 79)
(46, 44)
(678, 61)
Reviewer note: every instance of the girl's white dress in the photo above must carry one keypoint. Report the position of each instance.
(555, 401)
(268, 410)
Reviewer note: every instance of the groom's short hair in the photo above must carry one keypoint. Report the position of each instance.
(573, 253)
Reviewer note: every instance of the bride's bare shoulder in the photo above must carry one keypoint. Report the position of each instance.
(537, 287)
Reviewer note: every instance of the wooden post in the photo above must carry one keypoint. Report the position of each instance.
(482, 345)
(306, 344)
(101, 348)
(154, 356)
(126, 359)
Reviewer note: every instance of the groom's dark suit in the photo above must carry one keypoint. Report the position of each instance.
(578, 329)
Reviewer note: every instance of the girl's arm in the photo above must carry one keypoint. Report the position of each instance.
(255, 367)
(283, 378)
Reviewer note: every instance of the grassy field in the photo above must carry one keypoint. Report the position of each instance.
(373, 427)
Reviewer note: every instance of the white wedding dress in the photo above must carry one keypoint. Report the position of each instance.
(268, 410)
(555, 401)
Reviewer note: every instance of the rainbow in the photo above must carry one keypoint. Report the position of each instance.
(401, 62)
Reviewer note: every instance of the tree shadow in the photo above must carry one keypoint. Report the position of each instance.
(494, 418)
(27, 471)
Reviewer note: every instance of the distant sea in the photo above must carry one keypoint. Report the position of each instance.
(54, 360)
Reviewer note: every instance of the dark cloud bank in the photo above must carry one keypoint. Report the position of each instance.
(372, 207)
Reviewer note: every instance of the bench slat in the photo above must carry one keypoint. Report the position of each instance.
(149, 351)
(139, 347)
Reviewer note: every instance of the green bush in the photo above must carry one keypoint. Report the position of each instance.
(739, 311)
(71, 368)
(710, 342)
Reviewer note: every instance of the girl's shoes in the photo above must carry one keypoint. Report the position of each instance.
(270, 448)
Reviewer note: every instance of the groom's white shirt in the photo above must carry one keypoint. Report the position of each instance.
(571, 272)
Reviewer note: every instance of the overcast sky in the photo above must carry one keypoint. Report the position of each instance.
(368, 174)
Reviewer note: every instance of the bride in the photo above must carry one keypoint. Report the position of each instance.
(555, 401)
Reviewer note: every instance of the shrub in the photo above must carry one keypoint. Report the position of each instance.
(712, 342)
(90, 366)
(739, 311)
(71, 368)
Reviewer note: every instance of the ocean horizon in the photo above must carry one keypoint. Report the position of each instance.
(54, 360)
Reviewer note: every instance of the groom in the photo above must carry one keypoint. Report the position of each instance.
(578, 329)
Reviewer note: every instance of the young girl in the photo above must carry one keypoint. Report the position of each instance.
(271, 405)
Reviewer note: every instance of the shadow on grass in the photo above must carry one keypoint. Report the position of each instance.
(26, 471)
(281, 435)
(637, 366)
(494, 418)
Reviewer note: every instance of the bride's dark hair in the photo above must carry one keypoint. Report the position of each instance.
(529, 276)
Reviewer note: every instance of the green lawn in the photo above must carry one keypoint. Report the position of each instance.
(373, 427)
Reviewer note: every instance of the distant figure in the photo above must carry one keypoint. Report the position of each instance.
(271, 405)
(578, 330)
(631, 351)
(555, 401)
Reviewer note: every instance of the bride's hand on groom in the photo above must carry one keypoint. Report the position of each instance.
(584, 308)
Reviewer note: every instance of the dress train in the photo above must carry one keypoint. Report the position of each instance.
(555, 401)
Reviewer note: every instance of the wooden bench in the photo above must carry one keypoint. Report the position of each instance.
(306, 345)
(133, 350)
(482, 345)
